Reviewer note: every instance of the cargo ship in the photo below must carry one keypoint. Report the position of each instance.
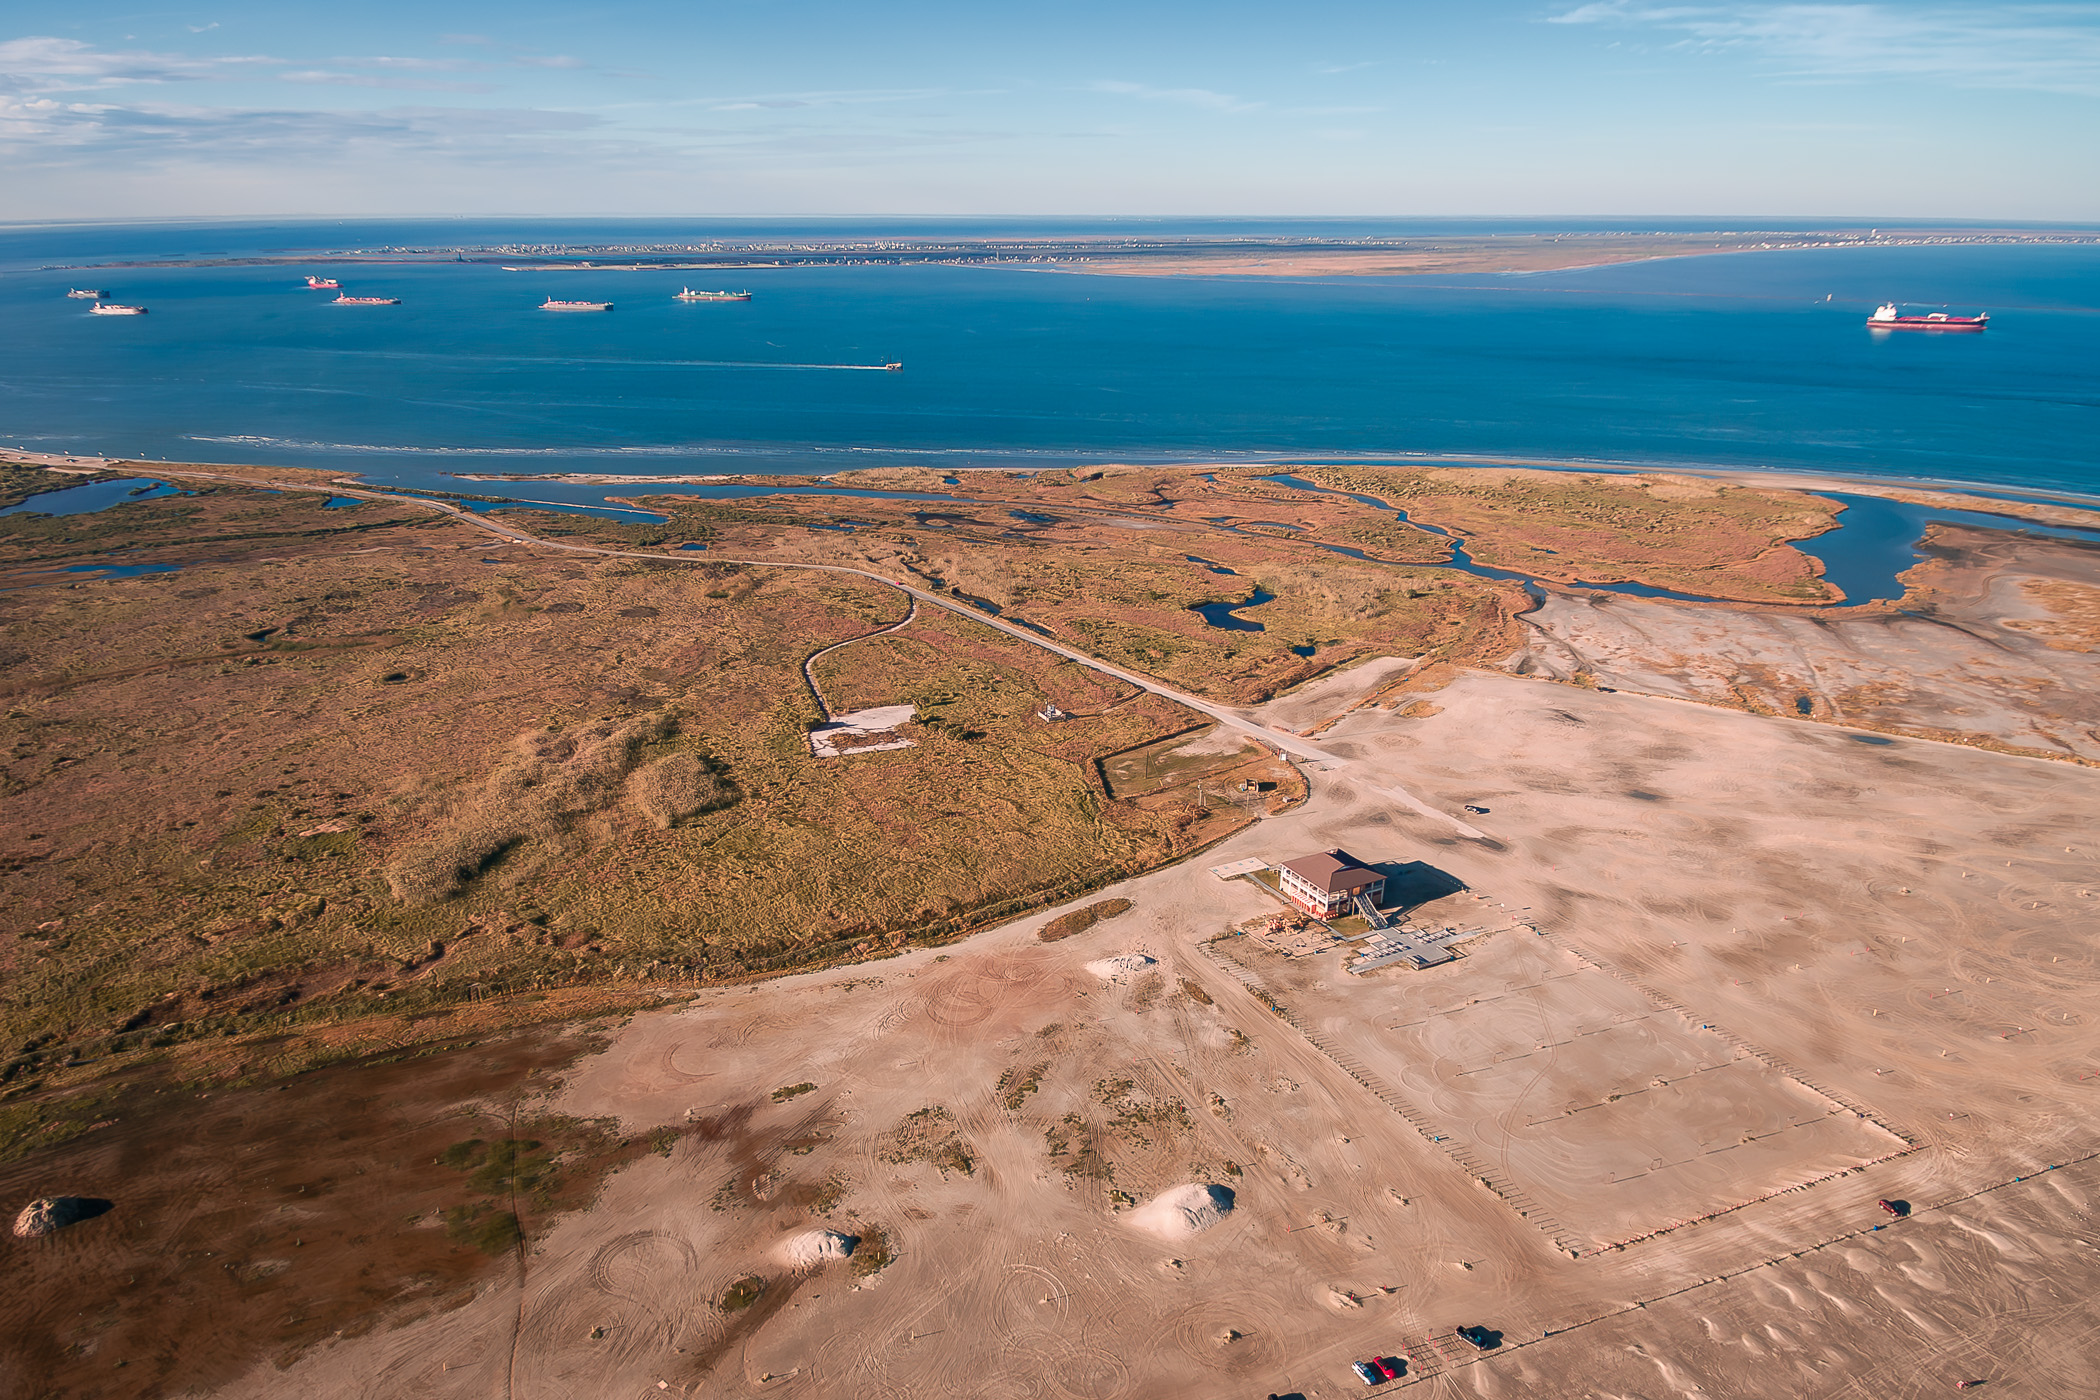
(83, 294)
(111, 308)
(1886, 317)
(322, 284)
(550, 304)
(347, 300)
(688, 294)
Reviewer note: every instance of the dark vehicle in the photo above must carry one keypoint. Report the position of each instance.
(1479, 1338)
(1899, 1209)
(1476, 811)
(1391, 1367)
(1366, 1372)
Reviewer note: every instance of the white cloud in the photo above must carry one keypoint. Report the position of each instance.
(41, 63)
(787, 101)
(328, 77)
(42, 132)
(1188, 97)
(2038, 46)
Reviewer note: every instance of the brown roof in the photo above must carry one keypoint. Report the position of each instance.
(1333, 872)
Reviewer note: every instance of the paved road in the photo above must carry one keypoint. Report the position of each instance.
(1225, 715)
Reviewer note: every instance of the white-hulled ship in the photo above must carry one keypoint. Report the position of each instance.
(347, 300)
(111, 308)
(83, 294)
(550, 304)
(688, 294)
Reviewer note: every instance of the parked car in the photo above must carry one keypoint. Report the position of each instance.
(1476, 1337)
(1391, 1367)
(1476, 811)
(1898, 1209)
(1367, 1373)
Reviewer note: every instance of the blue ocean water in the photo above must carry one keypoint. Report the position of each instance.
(1732, 361)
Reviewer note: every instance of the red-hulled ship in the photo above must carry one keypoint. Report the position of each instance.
(1887, 318)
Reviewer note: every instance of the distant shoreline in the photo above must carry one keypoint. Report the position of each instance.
(1194, 256)
(1793, 478)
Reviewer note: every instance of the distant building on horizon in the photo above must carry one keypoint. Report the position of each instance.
(1326, 884)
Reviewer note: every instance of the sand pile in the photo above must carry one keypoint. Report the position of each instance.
(1183, 1211)
(1117, 966)
(807, 1250)
(55, 1213)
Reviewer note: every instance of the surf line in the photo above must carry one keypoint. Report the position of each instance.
(738, 364)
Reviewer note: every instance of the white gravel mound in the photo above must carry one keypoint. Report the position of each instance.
(1183, 1211)
(807, 1250)
(1117, 966)
(54, 1213)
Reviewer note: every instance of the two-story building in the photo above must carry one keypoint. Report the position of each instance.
(1327, 884)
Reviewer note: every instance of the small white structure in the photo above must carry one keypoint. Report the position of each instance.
(843, 735)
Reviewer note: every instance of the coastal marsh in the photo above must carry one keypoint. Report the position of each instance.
(326, 813)
(399, 769)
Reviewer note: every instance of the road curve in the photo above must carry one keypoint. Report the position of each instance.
(809, 667)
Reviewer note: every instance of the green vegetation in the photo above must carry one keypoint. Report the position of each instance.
(1080, 920)
(1691, 534)
(741, 1294)
(874, 1253)
(1017, 1084)
(782, 1095)
(483, 1227)
(929, 1135)
(831, 1194)
(502, 1173)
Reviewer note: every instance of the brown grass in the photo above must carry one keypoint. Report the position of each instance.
(517, 780)
(674, 787)
(538, 792)
(1080, 920)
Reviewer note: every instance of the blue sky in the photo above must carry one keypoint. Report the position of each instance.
(1962, 110)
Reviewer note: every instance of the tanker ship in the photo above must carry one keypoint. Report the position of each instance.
(550, 304)
(688, 294)
(1887, 318)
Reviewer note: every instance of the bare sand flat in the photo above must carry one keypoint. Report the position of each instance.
(1894, 928)
(1995, 641)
